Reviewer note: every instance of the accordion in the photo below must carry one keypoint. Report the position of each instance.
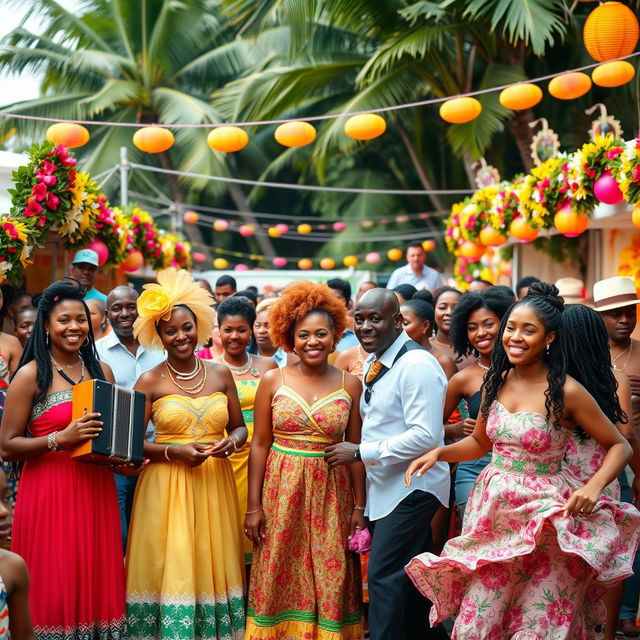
(122, 413)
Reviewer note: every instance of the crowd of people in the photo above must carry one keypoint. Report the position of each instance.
(409, 462)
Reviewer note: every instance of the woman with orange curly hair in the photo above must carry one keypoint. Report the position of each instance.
(300, 514)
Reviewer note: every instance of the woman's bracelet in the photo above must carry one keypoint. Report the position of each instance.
(248, 513)
(357, 507)
(52, 443)
(235, 443)
(166, 453)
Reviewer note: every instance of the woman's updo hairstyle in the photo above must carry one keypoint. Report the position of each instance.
(37, 347)
(423, 310)
(237, 306)
(548, 305)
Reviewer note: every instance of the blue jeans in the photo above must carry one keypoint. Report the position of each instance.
(126, 486)
(631, 585)
(466, 476)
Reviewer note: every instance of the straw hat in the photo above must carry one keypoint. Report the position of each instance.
(571, 289)
(612, 293)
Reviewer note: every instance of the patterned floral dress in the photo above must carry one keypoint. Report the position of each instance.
(304, 582)
(522, 570)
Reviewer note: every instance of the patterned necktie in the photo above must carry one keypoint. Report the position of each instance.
(374, 370)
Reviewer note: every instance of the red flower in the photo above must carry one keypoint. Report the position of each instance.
(614, 152)
(69, 162)
(11, 230)
(48, 168)
(561, 612)
(635, 176)
(39, 192)
(32, 209)
(46, 179)
(11, 249)
(52, 201)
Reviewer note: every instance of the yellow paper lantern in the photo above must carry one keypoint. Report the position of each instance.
(220, 263)
(570, 86)
(153, 139)
(350, 261)
(305, 264)
(365, 126)
(395, 254)
(327, 263)
(635, 217)
(522, 231)
(569, 223)
(460, 110)
(491, 237)
(521, 96)
(228, 139)
(613, 74)
(428, 245)
(68, 134)
(273, 232)
(295, 134)
(304, 229)
(610, 31)
(472, 250)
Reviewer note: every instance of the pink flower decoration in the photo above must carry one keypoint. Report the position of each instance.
(536, 441)
(577, 567)
(467, 611)
(614, 152)
(494, 576)
(561, 612)
(360, 541)
(32, 209)
(52, 201)
(39, 192)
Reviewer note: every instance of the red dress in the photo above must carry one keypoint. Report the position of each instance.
(67, 528)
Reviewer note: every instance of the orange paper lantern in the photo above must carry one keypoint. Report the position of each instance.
(295, 134)
(220, 263)
(365, 126)
(227, 139)
(613, 74)
(327, 263)
(350, 261)
(491, 237)
(570, 86)
(472, 250)
(190, 216)
(305, 264)
(153, 139)
(522, 231)
(133, 261)
(635, 217)
(611, 31)
(428, 245)
(395, 254)
(304, 229)
(569, 223)
(460, 110)
(521, 96)
(68, 134)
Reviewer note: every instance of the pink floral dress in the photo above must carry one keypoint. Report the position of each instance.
(521, 570)
(584, 457)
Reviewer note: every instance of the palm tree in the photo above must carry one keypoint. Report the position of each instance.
(152, 61)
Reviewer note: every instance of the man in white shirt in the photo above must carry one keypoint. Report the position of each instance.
(415, 272)
(128, 361)
(402, 407)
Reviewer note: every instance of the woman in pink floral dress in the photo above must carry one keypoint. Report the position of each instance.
(538, 548)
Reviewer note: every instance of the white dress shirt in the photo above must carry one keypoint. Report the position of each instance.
(428, 279)
(403, 420)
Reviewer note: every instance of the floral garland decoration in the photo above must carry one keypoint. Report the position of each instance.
(506, 205)
(627, 171)
(79, 225)
(176, 253)
(15, 248)
(145, 238)
(112, 228)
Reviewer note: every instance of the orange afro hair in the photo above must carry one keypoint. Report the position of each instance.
(297, 301)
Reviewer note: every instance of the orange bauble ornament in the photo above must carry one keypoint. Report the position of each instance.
(522, 231)
(295, 134)
(491, 237)
(635, 217)
(569, 223)
(365, 126)
(227, 139)
(611, 31)
(472, 250)
(327, 263)
(428, 245)
(304, 229)
(570, 86)
(521, 96)
(305, 264)
(350, 261)
(133, 261)
(153, 139)
(395, 254)
(190, 216)
(613, 74)
(460, 110)
(68, 134)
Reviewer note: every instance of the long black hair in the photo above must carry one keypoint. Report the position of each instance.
(548, 306)
(586, 347)
(491, 299)
(37, 348)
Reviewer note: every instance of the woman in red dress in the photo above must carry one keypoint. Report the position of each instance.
(66, 524)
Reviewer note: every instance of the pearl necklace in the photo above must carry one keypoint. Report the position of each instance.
(195, 389)
(247, 367)
(189, 375)
(482, 366)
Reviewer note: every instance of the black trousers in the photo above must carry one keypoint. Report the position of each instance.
(397, 610)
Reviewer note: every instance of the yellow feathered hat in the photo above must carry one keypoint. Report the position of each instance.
(157, 301)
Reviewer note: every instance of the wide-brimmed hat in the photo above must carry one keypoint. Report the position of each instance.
(612, 293)
(571, 289)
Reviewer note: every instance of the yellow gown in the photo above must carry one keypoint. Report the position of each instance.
(240, 460)
(185, 572)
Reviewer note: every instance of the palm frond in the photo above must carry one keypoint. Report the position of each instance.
(112, 95)
(176, 106)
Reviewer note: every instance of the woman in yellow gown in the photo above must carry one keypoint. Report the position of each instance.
(236, 316)
(185, 576)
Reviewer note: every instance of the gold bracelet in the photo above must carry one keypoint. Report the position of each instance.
(357, 507)
(166, 453)
(248, 513)
(235, 443)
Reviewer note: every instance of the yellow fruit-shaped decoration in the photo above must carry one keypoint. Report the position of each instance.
(428, 245)
(220, 263)
(460, 110)
(635, 217)
(522, 231)
(68, 134)
(570, 86)
(305, 264)
(521, 96)
(472, 250)
(304, 229)
(491, 237)
(327, 263)
(350, 261)
(610, 31)
(395, 254)
(273, 232)
(295, 134)
(365, 126)
(613, 74)
(569, 223)
(153, 139)
(228, 139)
(191, 217)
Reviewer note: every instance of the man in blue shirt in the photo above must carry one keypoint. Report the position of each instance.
(84, 268)
(342, 289)
(415, 272)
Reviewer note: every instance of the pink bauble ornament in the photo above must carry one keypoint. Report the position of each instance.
(606, 189)
(372, 257)
(339, 226)
(241, 267)
(101, 249)
(245, 231)
(282, 228)
(279, 262)
(199, 257)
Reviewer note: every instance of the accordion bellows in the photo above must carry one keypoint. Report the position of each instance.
(122, 413)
